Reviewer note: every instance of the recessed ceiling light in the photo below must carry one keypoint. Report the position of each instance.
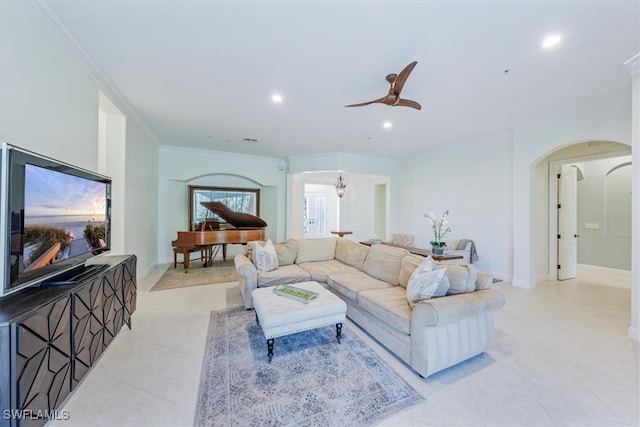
(276, 97)
(551, 41)
(386, 125)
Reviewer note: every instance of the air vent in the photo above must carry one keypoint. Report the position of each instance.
(596, 143)
(250, 140)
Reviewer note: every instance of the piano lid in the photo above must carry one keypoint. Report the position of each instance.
(237, 219)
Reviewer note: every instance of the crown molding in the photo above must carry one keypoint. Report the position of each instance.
(52, 23)
(633, 64)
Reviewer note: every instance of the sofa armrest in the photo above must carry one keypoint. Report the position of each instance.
(449, 309)
(484, 281)
(448, 330)
(247, 277)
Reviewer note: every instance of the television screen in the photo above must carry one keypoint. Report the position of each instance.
(64, 216)
(57, 217)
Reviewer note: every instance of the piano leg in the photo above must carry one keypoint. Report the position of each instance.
(224, 251)
(209, 258)
(185, 258)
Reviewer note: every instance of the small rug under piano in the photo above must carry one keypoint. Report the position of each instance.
(174, 278)
(312, 380)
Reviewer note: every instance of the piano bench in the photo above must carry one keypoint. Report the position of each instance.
(178, 251)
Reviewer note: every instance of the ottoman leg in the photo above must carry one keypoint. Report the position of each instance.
(270, 349)
(338, 331)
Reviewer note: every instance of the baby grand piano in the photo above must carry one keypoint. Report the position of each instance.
(241, 228)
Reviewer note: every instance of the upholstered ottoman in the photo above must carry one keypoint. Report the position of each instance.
(279, 315)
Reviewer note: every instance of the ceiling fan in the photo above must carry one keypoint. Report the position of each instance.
(396, 82)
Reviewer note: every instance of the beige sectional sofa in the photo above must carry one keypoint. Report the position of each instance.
(436, 334)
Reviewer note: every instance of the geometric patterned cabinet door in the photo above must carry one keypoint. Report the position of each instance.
(130, 288)
(113, 300)
(88, 328)
(43, 362)
(51, 336)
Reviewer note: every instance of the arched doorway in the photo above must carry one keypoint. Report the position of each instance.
(598, 206)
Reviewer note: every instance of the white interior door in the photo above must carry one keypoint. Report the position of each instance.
(317, 218)
(567, 223)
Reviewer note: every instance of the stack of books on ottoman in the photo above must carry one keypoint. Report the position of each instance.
(294, 293)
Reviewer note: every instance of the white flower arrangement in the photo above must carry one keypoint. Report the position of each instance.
(438, 225)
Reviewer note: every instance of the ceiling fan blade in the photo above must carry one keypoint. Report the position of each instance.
(408, 103)
(402, 78)
(362, 104)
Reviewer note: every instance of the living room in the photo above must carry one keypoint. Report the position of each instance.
(493, 180)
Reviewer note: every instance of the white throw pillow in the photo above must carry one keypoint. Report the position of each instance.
(265, 257)
(427, 282)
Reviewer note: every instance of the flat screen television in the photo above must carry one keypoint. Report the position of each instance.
(53, 218)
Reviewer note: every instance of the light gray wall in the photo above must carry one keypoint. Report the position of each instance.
(141, 197)
(473, 181)
(605, 246)
(49, 104)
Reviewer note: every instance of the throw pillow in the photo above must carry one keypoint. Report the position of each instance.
(265, 257)
(426, 283)
(408, 266)
(248, 250)
(287, 252)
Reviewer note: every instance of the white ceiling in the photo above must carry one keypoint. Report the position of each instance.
(201, 73)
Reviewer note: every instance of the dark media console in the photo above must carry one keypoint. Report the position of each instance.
(50, 336)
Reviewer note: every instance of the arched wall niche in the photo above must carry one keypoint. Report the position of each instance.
(268, 195)
(220, 178)
(579, 170)
(617, 201)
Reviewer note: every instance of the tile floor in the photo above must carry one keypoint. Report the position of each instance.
(561, 357)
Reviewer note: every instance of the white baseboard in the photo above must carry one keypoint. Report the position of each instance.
(604, 275)
(145, 272)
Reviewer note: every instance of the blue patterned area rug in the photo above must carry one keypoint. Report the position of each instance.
(312, 380)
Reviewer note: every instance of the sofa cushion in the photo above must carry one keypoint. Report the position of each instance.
(426, 283)
(321, 269)
(322, 249)
(349, 284)
(462, 278)
(283, 275)
(287, 252)
(351, 253)
(265, 257)
(384, 262)
(407, 267)
(389, 305)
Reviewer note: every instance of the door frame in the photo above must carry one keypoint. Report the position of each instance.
(553, 203)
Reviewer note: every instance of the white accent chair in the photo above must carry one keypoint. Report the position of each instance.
(452, 249)
(402, 239)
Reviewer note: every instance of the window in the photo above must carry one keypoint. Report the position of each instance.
(246, 200)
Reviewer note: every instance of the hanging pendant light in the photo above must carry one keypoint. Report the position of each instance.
(340, 186)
